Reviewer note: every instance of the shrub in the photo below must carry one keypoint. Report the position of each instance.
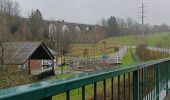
(116, 48)
(146, 55)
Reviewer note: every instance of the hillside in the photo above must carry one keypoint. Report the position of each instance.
(151, 39)
(156, 39)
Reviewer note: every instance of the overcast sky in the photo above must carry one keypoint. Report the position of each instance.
(91, 11)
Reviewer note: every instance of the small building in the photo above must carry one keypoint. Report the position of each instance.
(28, 57)
(55, 56)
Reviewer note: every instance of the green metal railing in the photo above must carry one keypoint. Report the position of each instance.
(137, 82)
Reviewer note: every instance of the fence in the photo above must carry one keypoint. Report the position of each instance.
(141, 81)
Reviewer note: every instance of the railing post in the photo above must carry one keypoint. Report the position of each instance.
(68, 95)
(112, 87)
(157, 77)
(118, 88)
(95, 91)
(167, 78)
(83, 93)
(47, 98)
(136, 85)
(129, 85)
(104, 89)
(124, 88)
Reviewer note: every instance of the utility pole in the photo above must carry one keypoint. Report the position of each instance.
(142, 18)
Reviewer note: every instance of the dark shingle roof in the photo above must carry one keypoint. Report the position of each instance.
(19, 52)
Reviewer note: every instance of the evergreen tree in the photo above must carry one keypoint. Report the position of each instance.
(36, 21)
(112, 26)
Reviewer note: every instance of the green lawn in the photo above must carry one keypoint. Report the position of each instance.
(98, 49)
(151, 39)
(128, 58)
(64, 67)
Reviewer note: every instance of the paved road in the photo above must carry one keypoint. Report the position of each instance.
(117, 57)
(121, 53)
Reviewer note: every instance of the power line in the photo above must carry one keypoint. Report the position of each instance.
(143, 17)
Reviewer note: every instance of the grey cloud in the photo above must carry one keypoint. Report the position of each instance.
(91, 11)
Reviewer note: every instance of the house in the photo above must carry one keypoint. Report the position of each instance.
(28, 57)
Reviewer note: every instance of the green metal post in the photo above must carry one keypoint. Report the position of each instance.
(104, 89)
(124, 88)
(154, 80)
(136, 85)
(112, 87)
(83, 92)
(47, 98)
(157, 77)
(129, 85)
(118, 88)
(68, 95)
(142, 83)
(169, 69)
(147, 82)
(95, 91)
(167, 74)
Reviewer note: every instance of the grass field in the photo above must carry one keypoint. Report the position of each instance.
(112, 42)
(128, 58)
(77, 49)
(151, 39)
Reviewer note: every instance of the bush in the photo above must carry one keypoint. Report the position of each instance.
(12, 78)
(116, 48)
(141, 51)
(45, 74)
(146, 55)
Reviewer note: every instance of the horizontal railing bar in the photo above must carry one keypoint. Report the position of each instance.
(49, 88)
(44, 89)
(153, 62)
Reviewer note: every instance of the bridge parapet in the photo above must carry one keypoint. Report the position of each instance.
(144, 80)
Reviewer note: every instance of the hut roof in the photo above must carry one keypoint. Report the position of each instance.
(16, 53)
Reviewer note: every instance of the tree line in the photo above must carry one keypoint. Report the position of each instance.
(35, 28)
(118, 27)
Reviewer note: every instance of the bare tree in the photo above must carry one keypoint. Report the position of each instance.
(68, 37)
(25, 32)
(104, 46)
(103, 22)
(4, 36)
(9, 7)
(8, 10)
